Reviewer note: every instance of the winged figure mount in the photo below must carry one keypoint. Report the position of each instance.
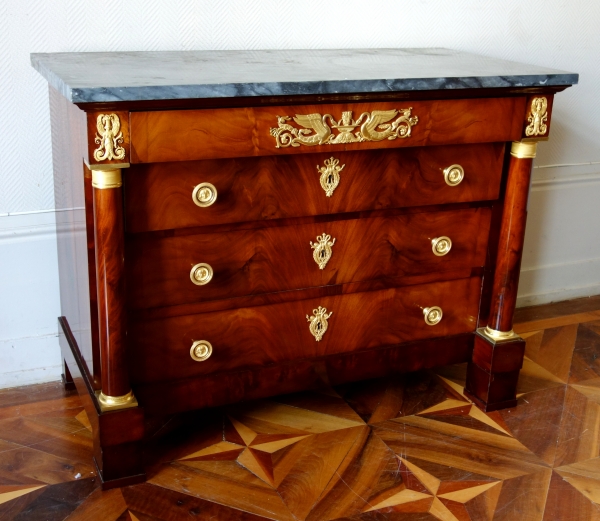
(319, 130)
(109, 138)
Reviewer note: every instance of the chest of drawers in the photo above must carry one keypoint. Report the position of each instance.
(233, 229)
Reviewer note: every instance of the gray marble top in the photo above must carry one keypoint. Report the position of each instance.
(128, 76)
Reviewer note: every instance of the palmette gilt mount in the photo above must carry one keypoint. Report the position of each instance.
(322, 251)
(538, 117)
(109, 137)
(319, 130)
(330, 175)
(318, 322)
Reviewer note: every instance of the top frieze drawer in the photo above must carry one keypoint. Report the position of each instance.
(186, 135)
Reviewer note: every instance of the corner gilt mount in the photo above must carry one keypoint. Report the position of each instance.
(109, 138)
(538, 117)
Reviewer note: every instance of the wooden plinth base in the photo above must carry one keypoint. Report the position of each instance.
(493, 372)
(118, 435)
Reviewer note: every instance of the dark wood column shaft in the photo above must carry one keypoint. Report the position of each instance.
(109, 241)
(93, 287)
(512, 235)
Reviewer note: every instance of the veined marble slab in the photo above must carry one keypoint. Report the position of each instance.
(130, 76)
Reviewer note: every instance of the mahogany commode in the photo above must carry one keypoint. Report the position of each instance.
(243, 224)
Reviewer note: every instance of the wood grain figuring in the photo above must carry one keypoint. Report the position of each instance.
(96, 368)
(291, 377)
(178, 505)
(179, 135)
(281, 258)
(493, 372)
(498, 357)
(271, 334)
(510, 245)
(570, 503)
(374, 449)
(159, 196)
(263, 299)
(490, 262)
(110, 271)
(552, 348)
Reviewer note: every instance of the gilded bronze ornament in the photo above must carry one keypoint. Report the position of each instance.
(201, 350)
(109, 137)
(322, 249)
(318, 322)
(523, 149)
(204, 195)
(112, 403)
(201, 274)
(104, 179)
(330, 175)
(538, 117)
(453, 175)
(317, 129)
(433, 315)
(441, 246)
(498, 336)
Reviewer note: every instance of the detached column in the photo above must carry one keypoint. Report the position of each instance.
(498, 354)
(119, 425)
(109, 241)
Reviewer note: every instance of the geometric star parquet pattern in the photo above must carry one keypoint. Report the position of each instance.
(408, 448)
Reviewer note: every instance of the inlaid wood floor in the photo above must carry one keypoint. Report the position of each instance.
(410, 448)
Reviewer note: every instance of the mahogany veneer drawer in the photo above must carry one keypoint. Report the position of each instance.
(281, 258)
(263, 335)
(159, 196)
(183, 135)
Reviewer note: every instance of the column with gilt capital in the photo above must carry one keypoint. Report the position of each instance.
(107, 156)
(498, 352)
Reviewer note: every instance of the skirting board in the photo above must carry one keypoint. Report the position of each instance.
(560, 282)
(29, 300)
(29, 360)
(561, 258)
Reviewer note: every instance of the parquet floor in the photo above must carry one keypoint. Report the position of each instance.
(411, 448)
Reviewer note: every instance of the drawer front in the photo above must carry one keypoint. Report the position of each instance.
(294, 257)
(259, 336)
(184, 135)
(159, 196)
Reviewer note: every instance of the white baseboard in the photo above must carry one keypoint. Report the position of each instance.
(29, 300)
(29, 361)
(557, 296)
(561, 257)
(546, 284)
